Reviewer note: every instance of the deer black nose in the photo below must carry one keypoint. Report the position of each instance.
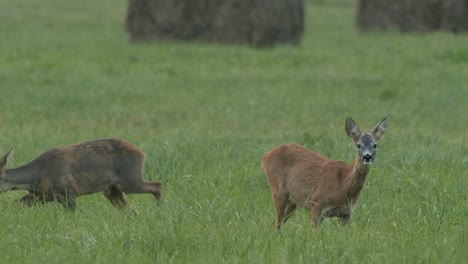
(367, 157)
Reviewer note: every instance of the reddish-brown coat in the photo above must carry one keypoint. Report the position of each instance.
(299, 177)
(113, 166)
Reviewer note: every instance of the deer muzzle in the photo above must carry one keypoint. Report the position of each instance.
(367, 158)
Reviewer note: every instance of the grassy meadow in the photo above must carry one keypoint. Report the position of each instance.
(205, 114)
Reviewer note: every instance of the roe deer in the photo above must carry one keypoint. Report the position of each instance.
(113, 166)
(299, 177)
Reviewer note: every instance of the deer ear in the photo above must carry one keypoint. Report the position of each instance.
(4, 159)
(352, 129)
(379, 130)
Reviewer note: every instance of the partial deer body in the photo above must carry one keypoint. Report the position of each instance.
(299, 177)
(112, 166)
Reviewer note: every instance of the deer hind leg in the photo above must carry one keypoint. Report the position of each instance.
(131, 181)
(153, 187)
(288, 210)
(116, 197)
(279, 201)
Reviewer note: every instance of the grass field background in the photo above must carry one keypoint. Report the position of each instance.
(205, 114)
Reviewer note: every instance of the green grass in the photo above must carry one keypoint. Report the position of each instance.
(205, 114)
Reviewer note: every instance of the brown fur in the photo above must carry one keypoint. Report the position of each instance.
(299, 177)
(112, 166)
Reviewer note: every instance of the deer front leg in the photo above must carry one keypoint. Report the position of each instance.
(345, 214)
(344, 219)
(317, 216)
(67, 199)
(32, 198)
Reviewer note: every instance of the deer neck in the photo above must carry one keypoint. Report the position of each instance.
(16, 179)
(357, 177)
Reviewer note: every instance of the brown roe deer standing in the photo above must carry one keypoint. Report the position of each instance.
(113, 166)
(299, 177)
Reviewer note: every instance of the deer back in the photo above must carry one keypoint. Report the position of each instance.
(88, 167)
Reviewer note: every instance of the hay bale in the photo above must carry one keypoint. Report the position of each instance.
(254, 22)
(412, 15)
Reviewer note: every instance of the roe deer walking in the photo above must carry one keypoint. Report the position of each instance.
(113, 166)
(299, 177)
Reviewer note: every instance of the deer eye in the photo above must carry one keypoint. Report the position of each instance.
(375, 145)
(358, 145)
